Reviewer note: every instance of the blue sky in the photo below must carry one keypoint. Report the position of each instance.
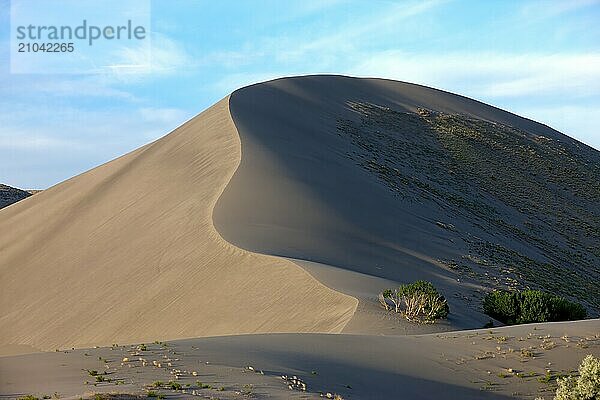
(539, 59)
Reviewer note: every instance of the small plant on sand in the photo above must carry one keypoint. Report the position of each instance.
(152, 393)
(547, 378)
(28, 397)
(174, 385)
(418, 301)
(584, 387)
(513, 307)
(527, 353)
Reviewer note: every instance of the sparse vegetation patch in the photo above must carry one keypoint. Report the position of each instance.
(418, 301)
(586, 386)
(522, 307)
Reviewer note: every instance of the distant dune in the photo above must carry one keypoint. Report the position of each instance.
(10, 195)
(287, 206)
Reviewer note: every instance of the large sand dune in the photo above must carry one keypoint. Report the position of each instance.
(127, 252)
(286, 208)
(404, 182)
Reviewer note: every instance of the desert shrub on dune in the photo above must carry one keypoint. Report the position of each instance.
(584, 387)
(514, 307)
(418, 301)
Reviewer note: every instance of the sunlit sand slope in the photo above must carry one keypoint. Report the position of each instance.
(127, 252)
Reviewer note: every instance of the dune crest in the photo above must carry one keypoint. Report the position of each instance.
(127, 252)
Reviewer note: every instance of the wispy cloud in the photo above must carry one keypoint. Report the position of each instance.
(303, 8)
(353, 34)
(491, 75)
(553, 8)
(73, 140)
(552, 75)
(65, 86)
(578, 121)
(97, 127)
(34, 143)
(159, 56)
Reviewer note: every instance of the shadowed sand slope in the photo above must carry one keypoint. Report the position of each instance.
(403, 182)
(127, 253)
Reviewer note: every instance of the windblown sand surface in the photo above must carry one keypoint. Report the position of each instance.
(277, 216)
(127, 253)
(481, 364)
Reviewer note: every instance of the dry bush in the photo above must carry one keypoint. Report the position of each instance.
(418, 301)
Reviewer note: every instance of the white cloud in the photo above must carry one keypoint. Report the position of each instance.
(74, 140)
(348, 37)
(491, 75)
(74, 86)
(580, 122)
(552, 8)
(161, 55)
(73, 127)
(23, 141)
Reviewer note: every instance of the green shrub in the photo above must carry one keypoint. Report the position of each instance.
(530, 306)
(584, 387)
(418, 301)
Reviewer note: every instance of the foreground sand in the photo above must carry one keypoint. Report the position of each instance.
(477, 364)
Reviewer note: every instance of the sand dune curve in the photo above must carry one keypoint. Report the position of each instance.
(347, 172)
(127, 253)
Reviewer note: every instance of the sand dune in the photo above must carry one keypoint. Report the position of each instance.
(344, 172)
(127, 252)
(285, 208)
